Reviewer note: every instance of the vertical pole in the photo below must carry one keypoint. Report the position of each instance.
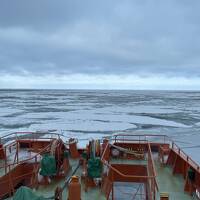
(112, 185)
(17, 152)
(5, 161)
(154, 196)
(146, 189)
(112, 192)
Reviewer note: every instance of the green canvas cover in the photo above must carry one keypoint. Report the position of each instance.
(84, 155)
(94, 167)
(25, 193)
(48, 165)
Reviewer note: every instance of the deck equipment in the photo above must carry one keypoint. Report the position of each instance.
(36, 165)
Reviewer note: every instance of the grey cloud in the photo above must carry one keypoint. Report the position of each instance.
(100, 37)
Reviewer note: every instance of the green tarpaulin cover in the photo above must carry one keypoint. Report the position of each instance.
(25, 193)
(94, 167)
(48, 165)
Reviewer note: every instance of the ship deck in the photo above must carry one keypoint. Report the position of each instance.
(171, 184)
(93, 193)
(167, 183)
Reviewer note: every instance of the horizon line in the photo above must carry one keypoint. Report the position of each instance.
(114, 89)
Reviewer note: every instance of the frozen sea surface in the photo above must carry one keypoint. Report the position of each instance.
(88, 114)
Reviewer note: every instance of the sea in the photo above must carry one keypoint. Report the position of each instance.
(92, 114)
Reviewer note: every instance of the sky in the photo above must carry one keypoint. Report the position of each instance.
(107, 44)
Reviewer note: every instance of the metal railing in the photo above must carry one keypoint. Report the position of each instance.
(141, 138)
(7, 178)
(183, 155)
(151, 178)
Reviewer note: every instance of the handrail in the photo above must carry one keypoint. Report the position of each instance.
(104, 151)
(140, 137)
(8, 145)
(16, 178)
(29, 132)
(178, 149)
(124, 175)
(26, 134)
(150, 166)
(22, 162)
(153, 166)
(117, 171)
(26, 160)
(185, 156)
(150, 153)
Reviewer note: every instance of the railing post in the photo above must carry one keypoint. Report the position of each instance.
(5, 161)
(154, 192)
(112, 185)
(112, 192)
(17, 152)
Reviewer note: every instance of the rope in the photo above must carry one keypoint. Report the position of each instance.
(66, 182)
(129, 193)
(127, 150)
(69, 178)
(136, 192)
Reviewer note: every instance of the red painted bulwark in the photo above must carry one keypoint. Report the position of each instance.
(171, 158)
(130, 170)
(34, 145)
(180, 165)
(2, 154)
(21, 174)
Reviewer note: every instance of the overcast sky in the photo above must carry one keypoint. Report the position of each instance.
(106, 44)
